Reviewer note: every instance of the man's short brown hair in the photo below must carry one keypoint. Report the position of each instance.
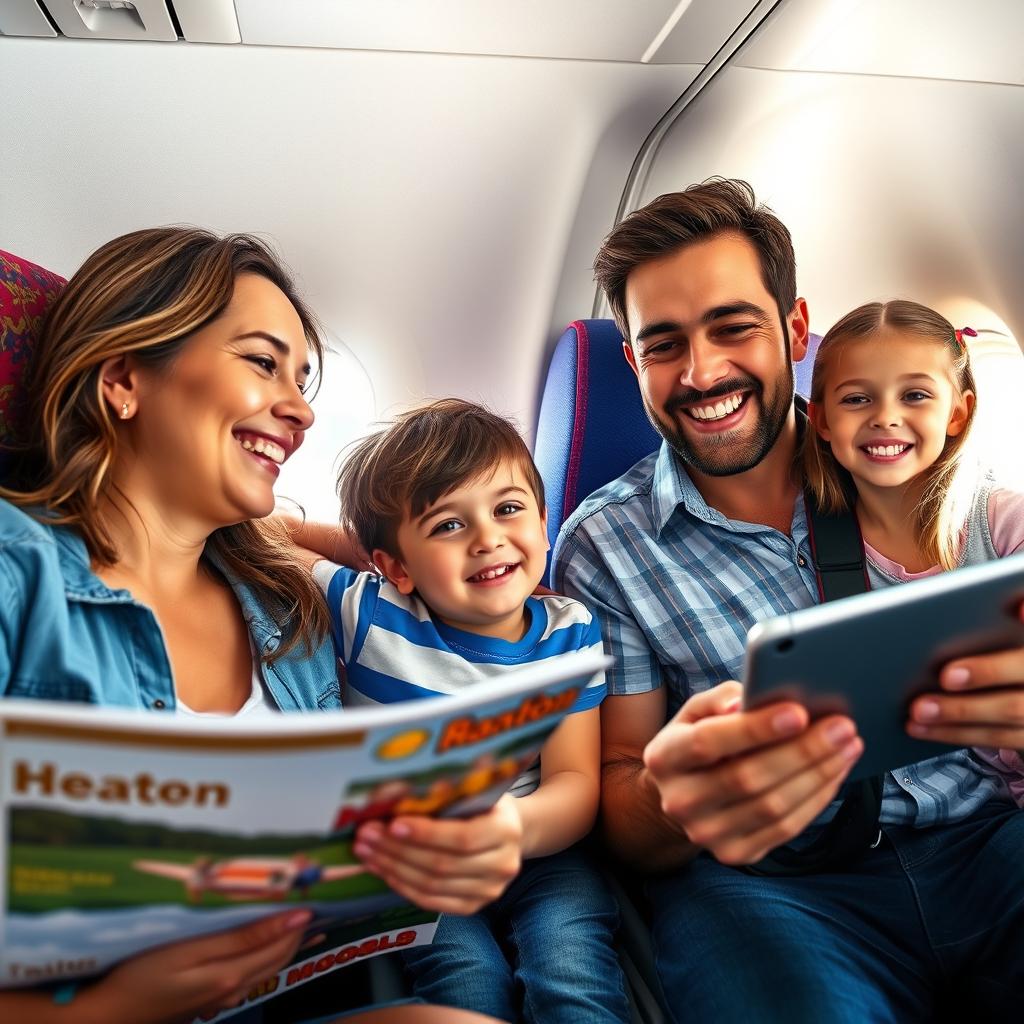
(680, 218)
(426, 453)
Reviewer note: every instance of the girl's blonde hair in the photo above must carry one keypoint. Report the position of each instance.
(943, 509)
(146, 293)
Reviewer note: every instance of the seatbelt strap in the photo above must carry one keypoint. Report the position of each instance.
(838, 552)
(837, 549)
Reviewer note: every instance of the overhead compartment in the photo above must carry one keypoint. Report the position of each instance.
(197, 21)
(113, 19)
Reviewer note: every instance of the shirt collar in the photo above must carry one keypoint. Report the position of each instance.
(673, 488)
(81, 583)
(265, 630)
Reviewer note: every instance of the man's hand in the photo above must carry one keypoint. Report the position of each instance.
(452, 865)
(740, 783)
(981, 703)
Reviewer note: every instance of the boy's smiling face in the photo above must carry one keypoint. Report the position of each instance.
(476, 554)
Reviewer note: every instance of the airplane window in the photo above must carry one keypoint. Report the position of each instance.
(345, 409)
(999, 373)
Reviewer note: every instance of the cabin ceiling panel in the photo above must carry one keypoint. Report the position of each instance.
(977, 41)
(580, 29)
(699, 32)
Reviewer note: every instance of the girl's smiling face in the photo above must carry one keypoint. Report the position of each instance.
(889, 405)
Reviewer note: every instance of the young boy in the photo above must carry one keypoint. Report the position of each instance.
(450, 506)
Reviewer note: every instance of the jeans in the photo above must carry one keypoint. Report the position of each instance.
(541, 953)
(929, 912)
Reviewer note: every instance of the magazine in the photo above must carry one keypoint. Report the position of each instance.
(124, 830)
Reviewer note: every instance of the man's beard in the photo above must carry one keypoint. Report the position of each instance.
(724, 454)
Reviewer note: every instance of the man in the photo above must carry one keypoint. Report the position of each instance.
(679, 557)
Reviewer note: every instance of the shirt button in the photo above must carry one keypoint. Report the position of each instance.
(801, 561)
(906, 780)
(159, 704)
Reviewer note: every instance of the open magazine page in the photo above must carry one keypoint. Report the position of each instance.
(126, 830)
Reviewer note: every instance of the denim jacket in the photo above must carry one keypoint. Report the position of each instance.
(65, 635)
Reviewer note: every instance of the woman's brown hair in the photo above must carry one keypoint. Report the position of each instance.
(146, 293)
(941, 512)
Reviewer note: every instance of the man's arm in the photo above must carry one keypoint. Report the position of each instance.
(631, 820)
(634, 827)
(325, 540)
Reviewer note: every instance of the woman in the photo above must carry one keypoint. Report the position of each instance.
(166, 391)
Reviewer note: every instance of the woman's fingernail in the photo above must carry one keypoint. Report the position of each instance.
(297, 920)
(927, 710)
(956, 678)
(362, 850)
(400, 829)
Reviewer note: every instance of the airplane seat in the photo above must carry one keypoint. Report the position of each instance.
(26, 291)
(592, 426)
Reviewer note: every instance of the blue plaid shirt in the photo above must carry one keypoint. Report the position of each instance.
(676, 586)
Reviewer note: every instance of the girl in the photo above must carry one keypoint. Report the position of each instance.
(892, 401)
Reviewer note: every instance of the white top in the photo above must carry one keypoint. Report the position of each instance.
(259, 703)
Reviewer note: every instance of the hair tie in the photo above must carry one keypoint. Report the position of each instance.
(958, 337)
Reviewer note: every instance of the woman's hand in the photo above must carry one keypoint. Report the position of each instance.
(185, 979)
(452, 865)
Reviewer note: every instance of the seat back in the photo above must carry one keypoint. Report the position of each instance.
(26, 291)
(592, 425)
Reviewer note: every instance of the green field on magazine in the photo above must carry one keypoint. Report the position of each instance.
(45, 878)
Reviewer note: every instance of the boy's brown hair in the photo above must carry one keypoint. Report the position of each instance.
(426, 453)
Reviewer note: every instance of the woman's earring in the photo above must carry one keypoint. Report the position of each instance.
(124, 410)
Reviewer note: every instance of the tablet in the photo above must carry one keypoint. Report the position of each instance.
(869, 655)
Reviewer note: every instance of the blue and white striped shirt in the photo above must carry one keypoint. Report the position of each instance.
(393, 649)
(676, 586)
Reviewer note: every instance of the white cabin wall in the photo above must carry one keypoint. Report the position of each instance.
(425, 201)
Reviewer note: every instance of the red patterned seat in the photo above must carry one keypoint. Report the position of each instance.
(26, 291)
